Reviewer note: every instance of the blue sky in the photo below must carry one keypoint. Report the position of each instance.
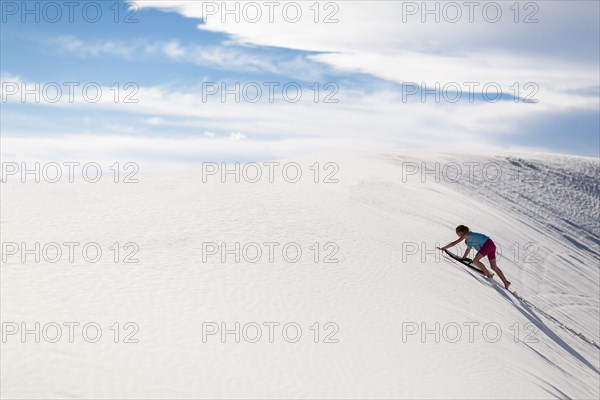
(363, 61)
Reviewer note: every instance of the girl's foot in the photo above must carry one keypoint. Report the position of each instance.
(506, 285)
(490, 276)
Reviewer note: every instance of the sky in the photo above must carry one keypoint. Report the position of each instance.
(189, 81)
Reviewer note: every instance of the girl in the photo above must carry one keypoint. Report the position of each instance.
(484, 246)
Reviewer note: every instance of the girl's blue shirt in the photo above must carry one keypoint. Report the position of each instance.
(476, 240)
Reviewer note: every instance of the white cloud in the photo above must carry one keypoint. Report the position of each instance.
(381, 117)
(93, 49)
(372, 38)
(225, 57)
(565, 85)
(154, 121)
(237, 137)
(173, 50)
(369, 39)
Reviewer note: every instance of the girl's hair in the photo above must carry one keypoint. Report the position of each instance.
(463, 229)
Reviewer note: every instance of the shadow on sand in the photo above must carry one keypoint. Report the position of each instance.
(530, 314)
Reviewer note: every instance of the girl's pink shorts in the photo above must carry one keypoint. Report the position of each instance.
(488, 249)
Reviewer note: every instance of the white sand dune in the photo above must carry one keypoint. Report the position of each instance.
(386, 220)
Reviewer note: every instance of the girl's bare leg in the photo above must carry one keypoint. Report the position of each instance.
(500, 273)
(482, 267)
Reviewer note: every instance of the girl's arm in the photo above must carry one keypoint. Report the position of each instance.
(457, 241)
(466, 252)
